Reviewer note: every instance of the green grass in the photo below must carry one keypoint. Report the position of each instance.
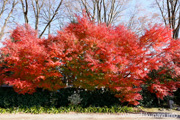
(78, 109)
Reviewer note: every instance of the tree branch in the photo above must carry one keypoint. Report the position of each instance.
(56, 11)
(7, 18)
(3, 7)
(25, 10)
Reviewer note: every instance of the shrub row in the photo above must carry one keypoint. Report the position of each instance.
(97, 98)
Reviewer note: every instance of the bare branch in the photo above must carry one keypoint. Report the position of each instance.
(25, 10)
(162, 13)
(7, 18)
(56, 11)
(172, 17)
(3, 7)
(111, 12)
(104, 11)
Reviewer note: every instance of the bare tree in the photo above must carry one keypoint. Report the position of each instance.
(39, 13)
(44, 14)
(170, 12)
(37, 6)
(25, 10)
(139, 18)
(51, 19)
(47, 14)
(48, 11)
(6, 9)
(4, 2)
(102, 11)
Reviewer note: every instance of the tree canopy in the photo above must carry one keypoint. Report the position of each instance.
(92, 56)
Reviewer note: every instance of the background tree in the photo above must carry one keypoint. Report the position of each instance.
(170, 12)
(54, 14)
(47, 12)
(51, 18)
(39, 13)
(7, 8)
(139, 18)
(25, 9)
(37, 6)
(102, 11)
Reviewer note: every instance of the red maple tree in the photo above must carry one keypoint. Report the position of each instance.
(95, 56)
(29, 63)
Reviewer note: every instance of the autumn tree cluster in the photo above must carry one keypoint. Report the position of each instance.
(92, 56)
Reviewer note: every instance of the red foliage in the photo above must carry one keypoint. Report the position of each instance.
(164, 52)
(111, 57)
(96, 55)
(31, 66)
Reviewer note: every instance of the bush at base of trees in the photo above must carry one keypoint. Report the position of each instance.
(45, 98)
(96, 98)
(92, 56)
